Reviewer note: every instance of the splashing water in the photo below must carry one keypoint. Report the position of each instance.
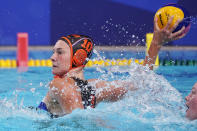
(112, 30)
(193, 21)
(155, 105)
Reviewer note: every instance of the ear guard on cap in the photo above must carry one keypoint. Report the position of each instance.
(79, 57)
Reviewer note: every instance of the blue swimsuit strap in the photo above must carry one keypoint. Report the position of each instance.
(42, 106)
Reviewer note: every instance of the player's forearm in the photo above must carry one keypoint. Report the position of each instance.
(113, 91)
(152, 53)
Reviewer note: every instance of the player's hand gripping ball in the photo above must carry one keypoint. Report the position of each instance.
(178, 12)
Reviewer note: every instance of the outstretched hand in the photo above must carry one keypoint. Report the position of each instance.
(160, 37)
(166, 34)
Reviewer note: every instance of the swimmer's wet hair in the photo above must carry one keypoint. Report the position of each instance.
(81, 47)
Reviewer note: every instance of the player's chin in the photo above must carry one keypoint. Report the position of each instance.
(55, 71)
(189, 115)
(58, 72)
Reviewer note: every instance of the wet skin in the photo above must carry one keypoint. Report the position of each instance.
(191, 103)
(60, 58)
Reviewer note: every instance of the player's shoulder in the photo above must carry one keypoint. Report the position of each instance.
(62, 83)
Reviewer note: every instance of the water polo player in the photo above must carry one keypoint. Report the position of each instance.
(191, 103)
(69, 90)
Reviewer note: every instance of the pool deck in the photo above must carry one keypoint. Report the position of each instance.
(106, 48)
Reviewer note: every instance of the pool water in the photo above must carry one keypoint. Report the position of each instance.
(134, 112)
(157, 104)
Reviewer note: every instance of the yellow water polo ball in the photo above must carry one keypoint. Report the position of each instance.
(179, 13)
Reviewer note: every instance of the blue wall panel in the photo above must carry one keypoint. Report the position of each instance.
(30, 16)
(108, 22)
(119, 22)
(149, 5)
(105, 21)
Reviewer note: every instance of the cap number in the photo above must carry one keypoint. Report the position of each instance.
(87, 45)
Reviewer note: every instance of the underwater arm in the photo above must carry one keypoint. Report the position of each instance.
(47, 99)
(160, 37)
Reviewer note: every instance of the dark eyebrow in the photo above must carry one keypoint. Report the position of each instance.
(58, 49)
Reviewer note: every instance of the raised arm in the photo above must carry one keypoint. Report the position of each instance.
(160, 37)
